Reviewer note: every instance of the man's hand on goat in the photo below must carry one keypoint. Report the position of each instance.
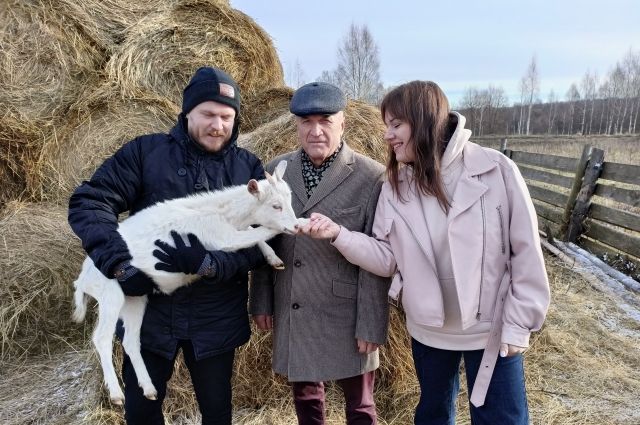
(133, 281)
(192, 259)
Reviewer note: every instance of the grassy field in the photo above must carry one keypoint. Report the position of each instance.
(621, 149)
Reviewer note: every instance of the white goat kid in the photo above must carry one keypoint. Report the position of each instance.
(221, 220)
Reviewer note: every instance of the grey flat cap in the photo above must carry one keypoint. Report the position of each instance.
(317, 98)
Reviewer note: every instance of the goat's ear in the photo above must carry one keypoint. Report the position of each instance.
(253, 188)
(269, 178)
(280, 168)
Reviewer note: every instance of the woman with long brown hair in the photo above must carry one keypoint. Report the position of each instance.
(456, 228)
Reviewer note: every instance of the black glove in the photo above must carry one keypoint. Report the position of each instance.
(193, 259)
(133, 281)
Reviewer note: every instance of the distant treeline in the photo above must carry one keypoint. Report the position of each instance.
(610, 106)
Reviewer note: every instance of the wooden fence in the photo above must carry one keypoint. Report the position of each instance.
(588, 201)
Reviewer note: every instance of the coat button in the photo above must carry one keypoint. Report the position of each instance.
(166, 330)
(297, 263)
(182, 172)
(197, 186)
(295, 306)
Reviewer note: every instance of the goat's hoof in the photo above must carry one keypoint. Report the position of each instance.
(117, 400)
(151, 394)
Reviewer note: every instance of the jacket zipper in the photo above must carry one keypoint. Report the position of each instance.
(484, 243)
(502, 244)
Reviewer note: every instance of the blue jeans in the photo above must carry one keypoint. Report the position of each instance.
(438, 375)
(211, 379)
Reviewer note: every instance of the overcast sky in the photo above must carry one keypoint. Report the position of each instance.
(458, 44)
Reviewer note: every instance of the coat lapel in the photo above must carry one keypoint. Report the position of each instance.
(468, 191)
(293, 176)
(336, 174)
(470, 186)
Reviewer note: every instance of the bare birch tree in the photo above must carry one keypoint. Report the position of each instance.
(532, 83)
(553, 107)
(296, 77)
(523, 94)
(573, 96)
(588, 85)
(358, 71)
(497, 100)
(631, 64)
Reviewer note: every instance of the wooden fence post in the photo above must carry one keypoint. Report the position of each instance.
(575, 189)
(583, 200)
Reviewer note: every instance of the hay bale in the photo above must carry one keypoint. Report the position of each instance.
(20, 143)
(163, 50)
(39, 259)
(45, 61)
(106, 22)
(97, 126)
(363, 133)
(265, 106)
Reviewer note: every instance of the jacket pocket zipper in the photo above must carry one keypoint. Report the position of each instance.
(502, 243)
(484, 243)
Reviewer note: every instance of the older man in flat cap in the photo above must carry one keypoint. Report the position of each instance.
(328, 316)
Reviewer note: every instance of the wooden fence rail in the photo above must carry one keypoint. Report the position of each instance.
(587, 201)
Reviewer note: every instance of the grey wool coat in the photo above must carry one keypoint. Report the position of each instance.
(320, 302)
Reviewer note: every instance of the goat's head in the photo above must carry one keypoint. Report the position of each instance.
(273, 209)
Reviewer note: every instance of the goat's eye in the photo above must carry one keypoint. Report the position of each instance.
(277, 207)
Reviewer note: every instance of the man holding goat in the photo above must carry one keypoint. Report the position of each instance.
(208, 320)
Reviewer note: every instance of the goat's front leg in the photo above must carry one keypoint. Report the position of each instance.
(132, 315)
(250, 237)
(271, 257)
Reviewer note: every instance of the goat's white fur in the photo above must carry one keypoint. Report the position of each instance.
(221, 220)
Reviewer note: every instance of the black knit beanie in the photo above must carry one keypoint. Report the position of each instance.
(211, 84)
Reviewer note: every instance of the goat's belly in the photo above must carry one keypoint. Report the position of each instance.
(169, 282)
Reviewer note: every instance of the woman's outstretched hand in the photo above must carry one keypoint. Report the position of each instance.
(321, 227)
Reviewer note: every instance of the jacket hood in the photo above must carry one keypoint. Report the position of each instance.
(457, 142)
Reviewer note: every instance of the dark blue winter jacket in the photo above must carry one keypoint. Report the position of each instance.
(212, 313)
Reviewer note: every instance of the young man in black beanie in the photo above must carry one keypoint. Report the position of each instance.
(207, 319)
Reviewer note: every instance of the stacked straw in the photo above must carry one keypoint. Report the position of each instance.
(20, 141)
(163, 50)
(39, 259)
(96, 127)
(45, 61)
(109, 67)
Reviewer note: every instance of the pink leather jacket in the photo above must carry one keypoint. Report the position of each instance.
(495, 249)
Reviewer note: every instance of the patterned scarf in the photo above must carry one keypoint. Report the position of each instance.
(313, 175)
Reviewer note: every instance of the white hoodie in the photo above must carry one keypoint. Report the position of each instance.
(450, 336)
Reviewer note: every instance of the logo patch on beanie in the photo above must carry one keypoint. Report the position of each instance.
(227, 90)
